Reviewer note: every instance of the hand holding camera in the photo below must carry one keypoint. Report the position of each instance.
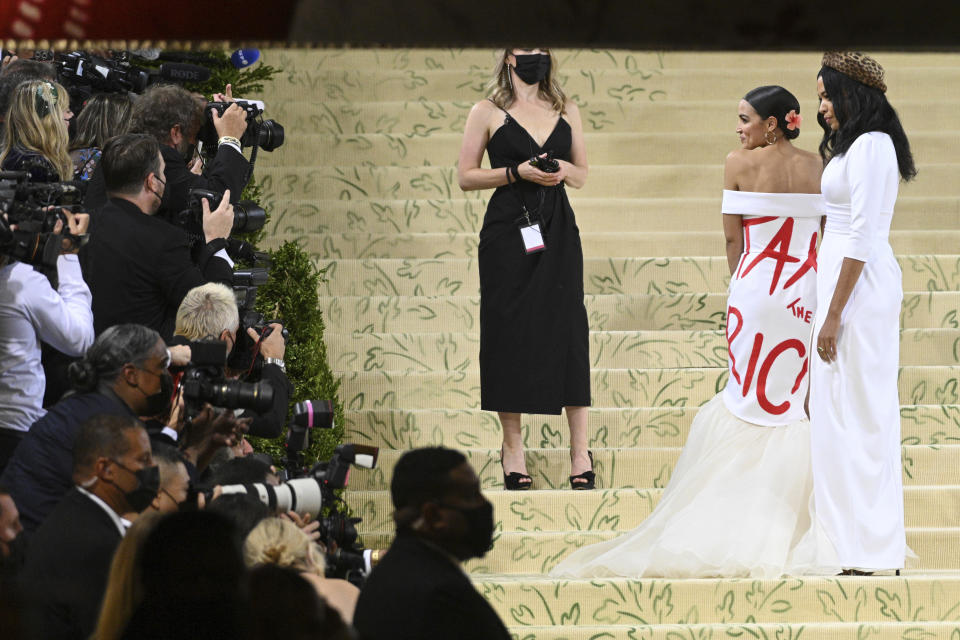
(77, 224)
(219, 222)
(232, 123)
(543, 170)
(272, 344)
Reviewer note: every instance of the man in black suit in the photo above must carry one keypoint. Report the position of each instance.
(139, 267)
(419, 591)
(68, 561)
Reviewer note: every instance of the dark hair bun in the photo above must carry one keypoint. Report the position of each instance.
(83, 376)
(774, 100)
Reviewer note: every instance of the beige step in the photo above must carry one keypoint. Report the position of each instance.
(641, 427)
(439, 181)
(608, 349)
(710, 274)
(818, 630)
(620, 510)
(299, 218)
(606, 312)
(641, 467)
(626, 243)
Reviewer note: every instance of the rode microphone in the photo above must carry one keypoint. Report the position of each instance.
(182, 72)
(243, 58)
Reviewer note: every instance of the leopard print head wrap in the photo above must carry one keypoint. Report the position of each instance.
(858, 66)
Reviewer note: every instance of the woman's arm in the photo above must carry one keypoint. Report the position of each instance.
(574, 173)
(850, 271)
(732, 223)
(475, 137)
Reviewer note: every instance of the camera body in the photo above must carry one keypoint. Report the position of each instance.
(546, 164)
(26, 206)
(246, 357)
(204, 381)
(264, 134)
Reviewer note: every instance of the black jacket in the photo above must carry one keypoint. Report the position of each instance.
(67, 566)
(418, 593)
(41, 469)
(139, 268)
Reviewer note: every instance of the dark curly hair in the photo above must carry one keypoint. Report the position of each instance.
(861, 109)
(162, 107)
(773, 100)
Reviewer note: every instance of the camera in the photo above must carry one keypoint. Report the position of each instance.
(314, 491)
(33, 208)
(547, 164)
(245, 357)
(264, 134)
(204, 381)
(248, 216)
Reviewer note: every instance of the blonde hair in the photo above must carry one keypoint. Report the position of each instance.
(501, 86)
(207, 311)
(281, 542)
(45, 134)
(124, 590)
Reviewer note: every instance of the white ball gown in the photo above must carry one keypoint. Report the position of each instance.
(739, 503)
(854, 403)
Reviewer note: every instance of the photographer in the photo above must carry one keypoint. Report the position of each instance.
(173, 116)
(35, 132)
(210, 311)
(31, 311)
(139, 268)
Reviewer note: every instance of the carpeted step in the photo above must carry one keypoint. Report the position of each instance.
(606, 312)
(614, 148)
(611, 244)
(365, 351)
(587, 84)
(298, 218)
(710, 274)
(610, 387)
(867, 602)
(779, 631)
(641, 467)
(439, 181)
(643, 427)
(534, 552)
(621, 509)
(417, 117)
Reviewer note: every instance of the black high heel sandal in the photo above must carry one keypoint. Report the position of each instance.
(588, 478)
(514, 481)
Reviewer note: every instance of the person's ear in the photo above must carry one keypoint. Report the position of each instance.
(130, 375)
(771, 123)
(176, 134)
(432, 517)
(102, 468)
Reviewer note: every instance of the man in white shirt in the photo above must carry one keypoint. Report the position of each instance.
(31, 312)
(68, 560)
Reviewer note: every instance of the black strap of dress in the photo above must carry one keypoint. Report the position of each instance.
(541, 194)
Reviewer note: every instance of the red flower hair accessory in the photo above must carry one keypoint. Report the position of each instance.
(793, 120)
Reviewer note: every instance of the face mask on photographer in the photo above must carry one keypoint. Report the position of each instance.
(480, 528)
(532, 68)
(148, 484)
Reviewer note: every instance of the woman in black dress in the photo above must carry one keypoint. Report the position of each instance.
(534, 349)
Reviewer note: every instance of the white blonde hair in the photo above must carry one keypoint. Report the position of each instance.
(207, 311)
(281, 542)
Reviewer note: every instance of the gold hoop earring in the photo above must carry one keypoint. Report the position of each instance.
(767, 140)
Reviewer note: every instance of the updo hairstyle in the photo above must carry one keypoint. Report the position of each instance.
(774, 100)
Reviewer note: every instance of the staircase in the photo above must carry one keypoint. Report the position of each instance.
(367, 183)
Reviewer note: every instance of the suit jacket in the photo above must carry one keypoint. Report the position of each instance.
(67, 566)
(139, 268)
(41, 469)
(418, 593)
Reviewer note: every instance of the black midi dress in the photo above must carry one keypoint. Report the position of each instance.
(534, 337)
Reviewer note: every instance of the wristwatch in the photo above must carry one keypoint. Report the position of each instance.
(276, 361)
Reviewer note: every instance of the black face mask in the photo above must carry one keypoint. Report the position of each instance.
(480, 527)
(148, 484)
(160, 401)
(532, 68)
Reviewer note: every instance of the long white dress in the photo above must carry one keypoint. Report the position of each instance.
(854, 404)
(739, 503)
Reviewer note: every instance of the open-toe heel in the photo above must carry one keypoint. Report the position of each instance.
(587, 479)
(514, 481)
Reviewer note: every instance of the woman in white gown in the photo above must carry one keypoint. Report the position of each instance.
(739, 500)
(854, 404)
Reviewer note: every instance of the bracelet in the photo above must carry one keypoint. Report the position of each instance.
(228, 140)
(507, 171)
(515, 170)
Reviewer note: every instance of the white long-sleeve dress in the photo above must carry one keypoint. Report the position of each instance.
(854, 403)
(739, 501)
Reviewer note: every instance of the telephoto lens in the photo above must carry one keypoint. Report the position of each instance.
(303, 495)
(270, 135)
(248, 216)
